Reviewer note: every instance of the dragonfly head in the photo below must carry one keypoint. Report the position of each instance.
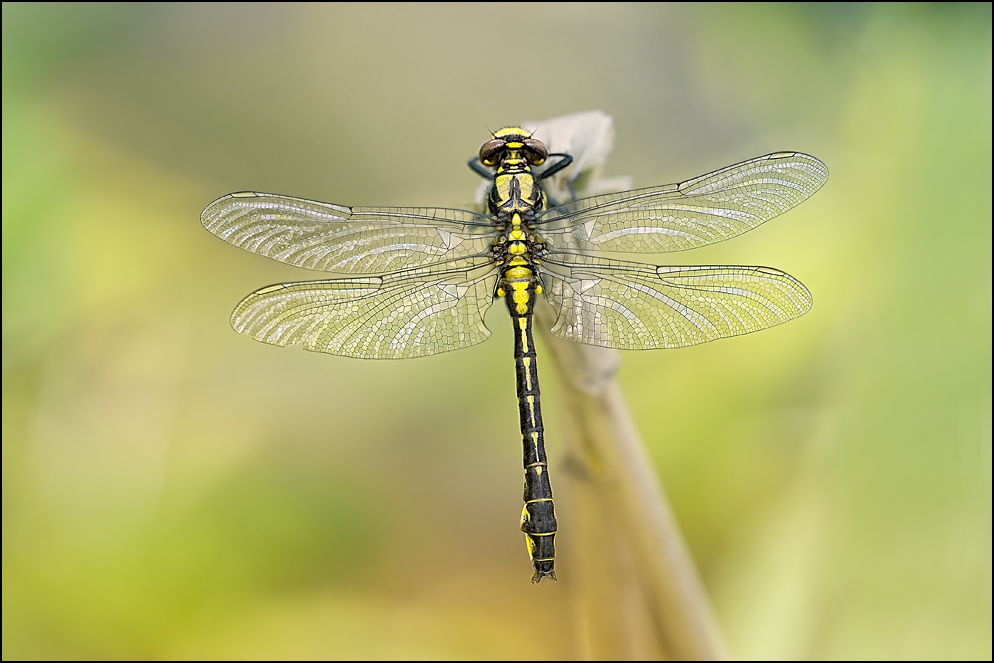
(513, 143)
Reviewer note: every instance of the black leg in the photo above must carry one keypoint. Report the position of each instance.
(556, 167)
(478, 168)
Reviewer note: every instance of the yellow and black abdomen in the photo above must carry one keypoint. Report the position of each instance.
(520, 287)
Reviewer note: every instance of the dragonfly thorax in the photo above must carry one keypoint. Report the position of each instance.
(515, 191)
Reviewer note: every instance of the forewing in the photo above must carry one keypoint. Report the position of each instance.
(676, 217)
(631, 306)
(410, 314)
(348, 240)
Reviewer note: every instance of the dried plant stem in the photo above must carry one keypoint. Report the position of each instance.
(638, 593)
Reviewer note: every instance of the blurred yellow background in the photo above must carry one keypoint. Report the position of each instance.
(173, 489)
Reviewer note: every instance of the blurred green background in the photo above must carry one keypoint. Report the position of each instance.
(173, 489)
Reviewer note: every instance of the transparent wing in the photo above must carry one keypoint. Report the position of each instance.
(405, 314)
(350, 240)
(676, 217)
(631, 306)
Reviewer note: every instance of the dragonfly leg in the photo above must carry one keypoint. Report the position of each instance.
(478, 168)
(556, 167)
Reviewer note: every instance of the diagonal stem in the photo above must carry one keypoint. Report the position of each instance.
(639, 594)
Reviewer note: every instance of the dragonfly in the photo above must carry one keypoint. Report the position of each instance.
(413, 282)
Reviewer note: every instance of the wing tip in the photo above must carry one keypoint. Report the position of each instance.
(814, 164)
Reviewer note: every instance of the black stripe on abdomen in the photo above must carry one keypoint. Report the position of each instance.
(538, 518)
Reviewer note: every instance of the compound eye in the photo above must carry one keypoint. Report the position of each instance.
(536, 151)
(490, 152)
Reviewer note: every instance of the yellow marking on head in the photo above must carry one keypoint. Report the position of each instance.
(510, 131)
